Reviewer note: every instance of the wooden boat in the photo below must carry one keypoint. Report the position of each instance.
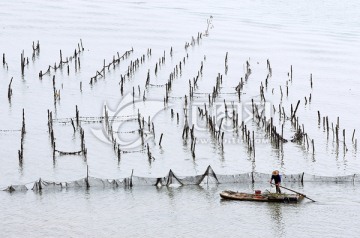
(258, 197)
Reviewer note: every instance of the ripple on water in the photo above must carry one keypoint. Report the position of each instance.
(315, 37)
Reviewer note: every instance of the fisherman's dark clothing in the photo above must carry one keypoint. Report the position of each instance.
(277, 180)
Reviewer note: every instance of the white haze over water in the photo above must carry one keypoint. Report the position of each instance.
(315, 37)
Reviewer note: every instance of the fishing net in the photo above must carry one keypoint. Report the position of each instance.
(292, 177)
(99, 183)
(143, 181)
(256, 177)
(236, 178)
(115, 183)
(338, 179)
(13, 188)
(46, 185)
(208, 177)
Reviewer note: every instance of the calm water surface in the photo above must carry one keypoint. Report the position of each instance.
(315, 37)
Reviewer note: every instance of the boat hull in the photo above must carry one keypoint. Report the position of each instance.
(271, 197)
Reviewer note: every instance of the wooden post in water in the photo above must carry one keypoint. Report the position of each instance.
(337, 131)
(297, 105)
(118, 153)
(73, 125)
(133, 94)
(10, 90)
(160, 139)
(352, 139)
(193, 144)
(104, 68)
(149, 153)
(287, 90)
(307, 141)
(327, 124)
(21, 151)
(355, 145)
(61, 61)
(22, 63)
(253, 142)
(153, 129)
(313, 146)
(87, 177)
(77, 115)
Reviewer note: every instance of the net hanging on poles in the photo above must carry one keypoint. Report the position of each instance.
(208, 177)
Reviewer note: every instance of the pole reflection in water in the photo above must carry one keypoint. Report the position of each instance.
(277, 219)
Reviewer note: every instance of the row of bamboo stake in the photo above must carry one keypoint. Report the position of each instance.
(216, 131)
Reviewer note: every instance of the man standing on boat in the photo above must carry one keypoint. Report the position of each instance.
(277, 180)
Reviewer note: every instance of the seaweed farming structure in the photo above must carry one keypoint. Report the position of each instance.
(208, 177)
(278, 124)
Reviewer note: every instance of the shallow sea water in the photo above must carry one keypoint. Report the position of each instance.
(315, 37)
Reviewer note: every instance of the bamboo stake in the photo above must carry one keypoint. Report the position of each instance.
(313, 146)
(352, 139)
(10, 90)
(160, 139)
